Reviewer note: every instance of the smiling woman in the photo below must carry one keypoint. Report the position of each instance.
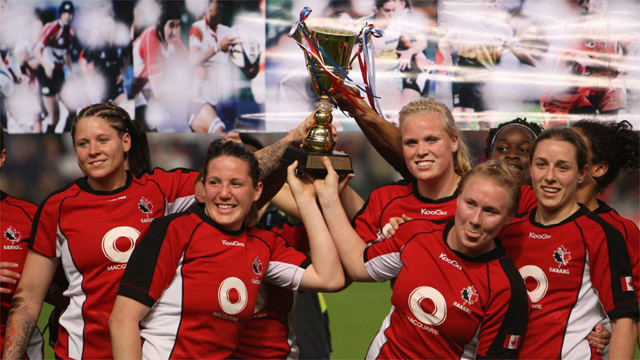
(512, 142)
(481, 312)
(574, 260)
(193, 282)
(231, 187)
(436, 155)
(81, 224)
(101, 152)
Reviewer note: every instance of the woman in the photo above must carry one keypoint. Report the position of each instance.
(210, 260)
(436, 157)
(53, 52)
(455, 293)
(511, 142)
(210, 47)
(576, 263)
(93, 224)
(159, 64)
(612, 148)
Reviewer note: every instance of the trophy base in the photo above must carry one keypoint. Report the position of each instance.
(311, 162)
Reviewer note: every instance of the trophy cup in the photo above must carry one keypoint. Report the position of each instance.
(331, 51)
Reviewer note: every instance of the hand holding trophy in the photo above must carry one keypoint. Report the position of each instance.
(328, 58)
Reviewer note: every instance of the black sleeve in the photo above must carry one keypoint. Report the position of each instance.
(625, 301)
(138, 275)
(515, 320)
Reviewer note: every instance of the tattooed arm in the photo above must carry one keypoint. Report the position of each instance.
(269, 157)
(27, 303)
(273, 172)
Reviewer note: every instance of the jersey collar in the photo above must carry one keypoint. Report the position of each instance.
(583, 210)
(416, 193)
(84, 185)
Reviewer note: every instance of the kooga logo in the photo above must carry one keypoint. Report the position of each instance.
(232, 243)
(533, 235)
(432, 212)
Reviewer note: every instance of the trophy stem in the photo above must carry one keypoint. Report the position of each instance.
(320, 137)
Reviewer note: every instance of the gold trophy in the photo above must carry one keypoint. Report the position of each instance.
(332, 47)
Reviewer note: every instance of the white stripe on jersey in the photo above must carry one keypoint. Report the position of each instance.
(284, 275)
(380, 339)
(384, 267)
(35, 349)
(471, 349)
(179, 204)
(160, 326)
(585, 314)
(72, 319)
(294, 353)
(61, 241)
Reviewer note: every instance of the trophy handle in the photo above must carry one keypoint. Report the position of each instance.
(359, 45)
(353, 58)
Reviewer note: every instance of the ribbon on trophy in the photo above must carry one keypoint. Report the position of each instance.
(367, 65)
(365, 60)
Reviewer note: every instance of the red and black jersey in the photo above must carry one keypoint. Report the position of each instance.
(396, 199)
(573, 270)
(270, 333)
(202, 283)
(446, 304)
(631, 234)
(56, 39)
(151, 58)
(16, 217)
(94, 233)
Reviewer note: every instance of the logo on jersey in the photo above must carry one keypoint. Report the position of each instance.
(118, 244)
(145, 206)
(428, 306)
(533, 235)
(512, 342)
(562, 256)
(469, 295)
(453, 263)
(14, 236)
(432, 212)
(627, 284)
(232, 297)
(232, 243)
(257, 269)
(535, 276)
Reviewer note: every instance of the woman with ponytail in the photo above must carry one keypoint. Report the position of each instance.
(91, 226)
